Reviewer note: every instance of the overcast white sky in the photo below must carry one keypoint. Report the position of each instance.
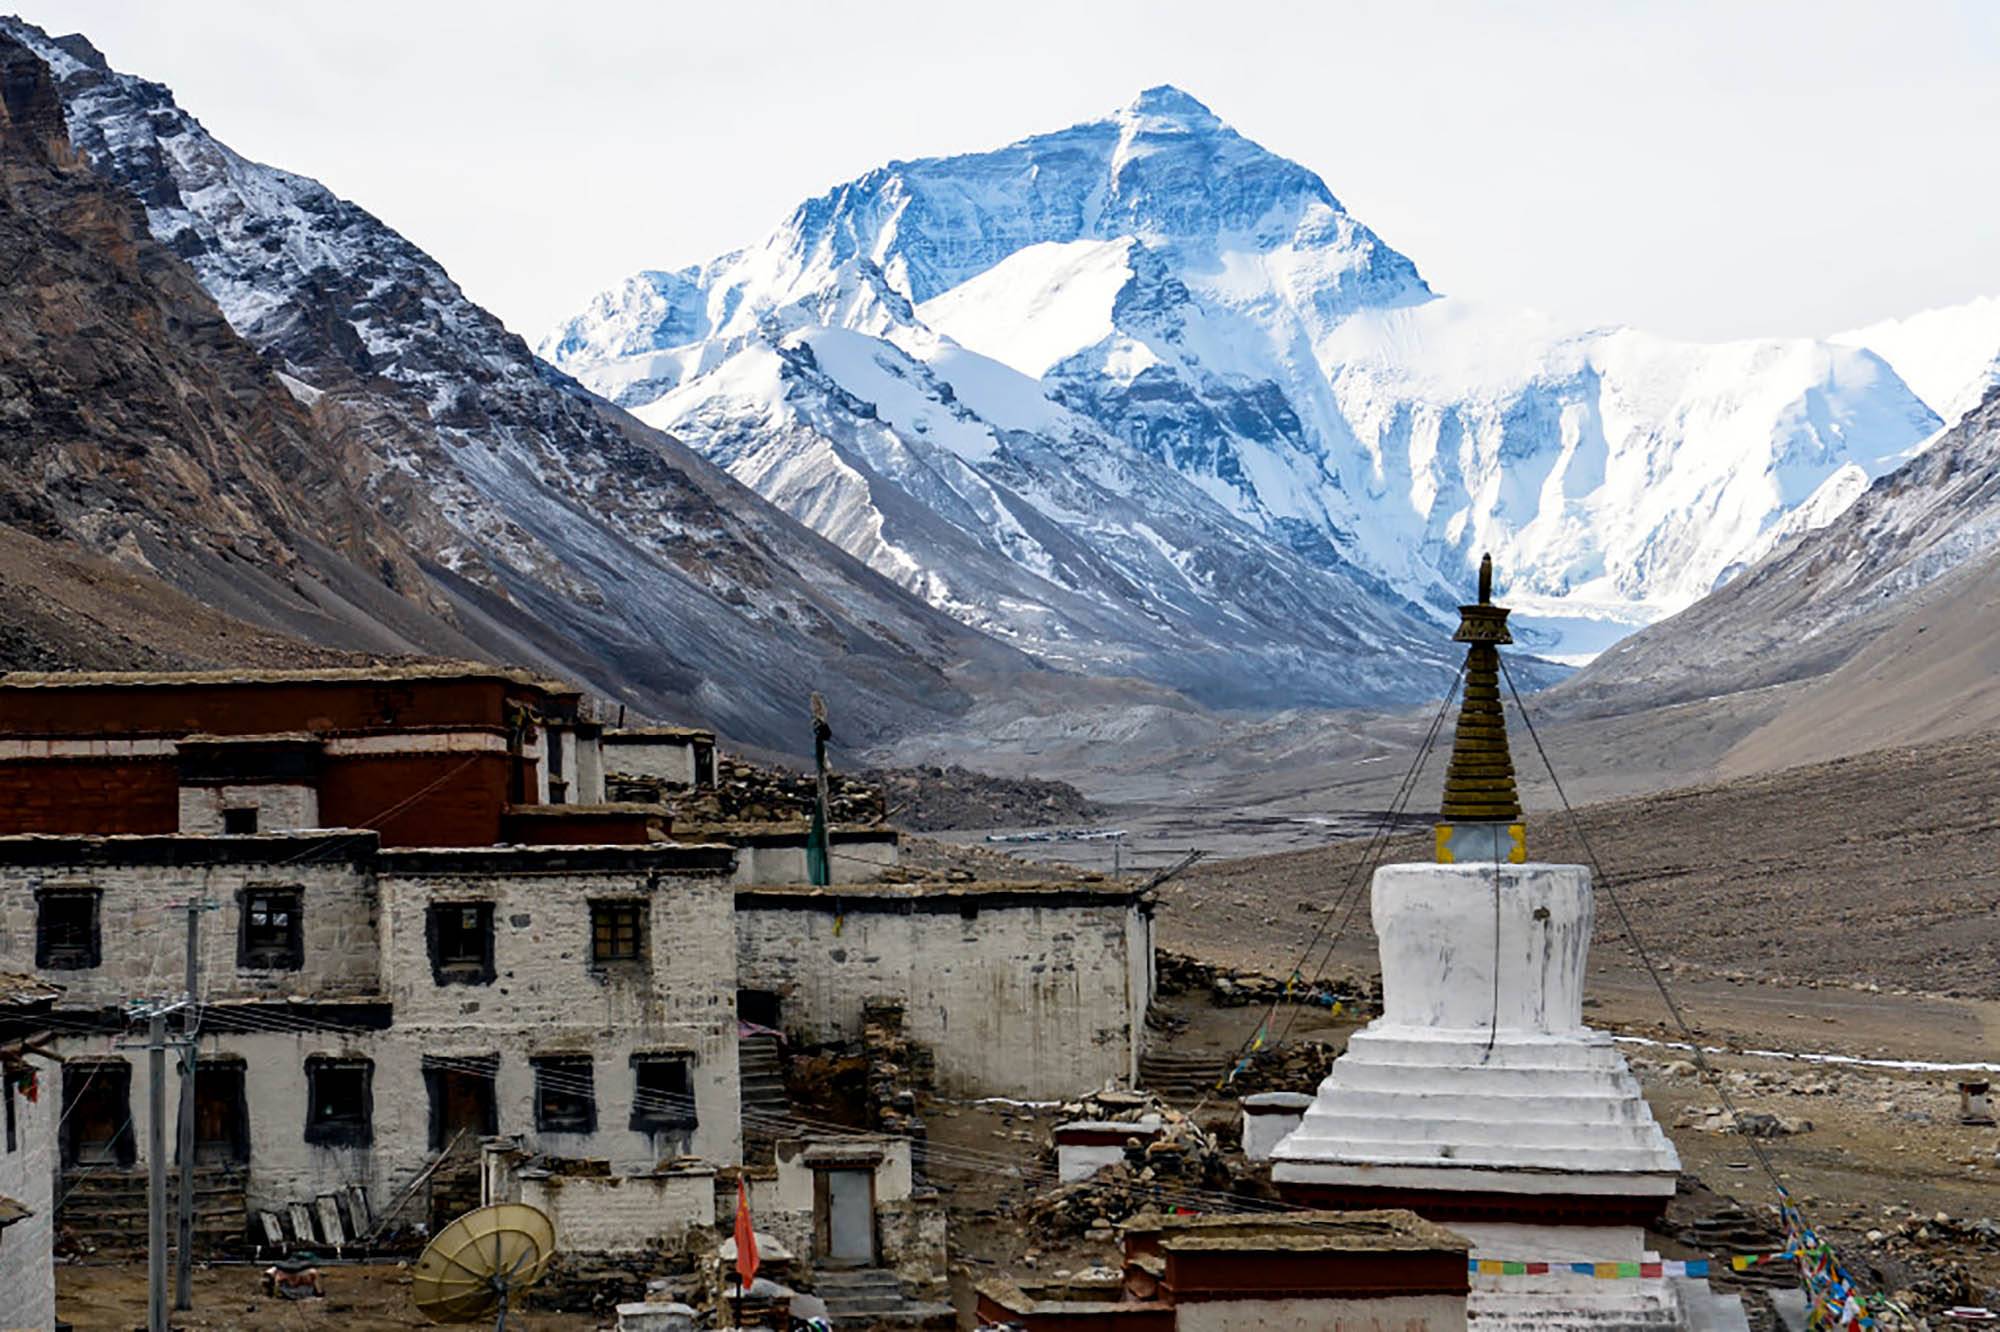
(1703, 169)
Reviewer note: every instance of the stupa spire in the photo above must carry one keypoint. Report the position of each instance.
(1481, 815)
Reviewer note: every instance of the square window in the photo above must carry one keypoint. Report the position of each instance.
(662, 1093)
(239, 822)
(565, 1094)
(615, 932)
(67, 937)
(271, 938)
(340, 1102)
(461, 941)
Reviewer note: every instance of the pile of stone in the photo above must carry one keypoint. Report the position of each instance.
(1169, 1160)
(747, 792)
(932, 798)
(1294, 1066)
(1180, 973)
(897, 1069)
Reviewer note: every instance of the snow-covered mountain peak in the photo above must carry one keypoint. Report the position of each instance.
(1150, 304)
(1164, 105)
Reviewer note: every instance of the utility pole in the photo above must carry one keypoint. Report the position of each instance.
(156, 1169)
(184, 1230)
(819, 841)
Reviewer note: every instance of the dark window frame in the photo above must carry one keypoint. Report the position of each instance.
(235, 817)
(654, 1118)
(577, 1093)
(458, 970)
(288, 954)
(69, 955)
(342, 1130)
(605, 914)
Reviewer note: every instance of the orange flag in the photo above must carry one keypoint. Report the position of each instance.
(746, 1238)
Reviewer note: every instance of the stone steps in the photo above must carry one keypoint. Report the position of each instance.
(107, 1208)
(1502, 1127)
(1181, 1076)
(872, 1297)
(760, 1072)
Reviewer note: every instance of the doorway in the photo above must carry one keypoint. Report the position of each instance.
(97, 1114)
(221, 1115)
(461, 1094)
(844, 1210)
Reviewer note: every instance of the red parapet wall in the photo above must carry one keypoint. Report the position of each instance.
(169, 707)
(105, 798)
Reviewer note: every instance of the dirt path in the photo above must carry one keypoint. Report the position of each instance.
(359, 1298)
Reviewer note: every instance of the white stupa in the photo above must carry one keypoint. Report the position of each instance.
(1479, 1098)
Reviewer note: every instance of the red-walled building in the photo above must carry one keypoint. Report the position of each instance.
(435, 755)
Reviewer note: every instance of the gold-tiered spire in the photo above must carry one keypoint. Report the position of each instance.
(1479, 785)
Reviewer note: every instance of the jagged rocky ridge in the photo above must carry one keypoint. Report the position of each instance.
(543, 524)
(1141, 372)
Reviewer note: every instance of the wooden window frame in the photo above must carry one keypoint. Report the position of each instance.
(606, 932)
(656, 1118)
(458, 971)
(289, 954)
(87, 956)
(572, 1069)
(348, 1130)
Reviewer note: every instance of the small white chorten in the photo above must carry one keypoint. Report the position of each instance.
(1479, 1098)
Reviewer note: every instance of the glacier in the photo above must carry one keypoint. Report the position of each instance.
(1140, 395)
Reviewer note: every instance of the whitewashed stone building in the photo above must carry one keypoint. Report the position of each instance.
(27, 1155)
(421, 927)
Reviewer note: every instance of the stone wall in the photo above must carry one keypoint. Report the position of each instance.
(1017, 990)
(367, 960)
(548, 998)
(857, 855)
(141, 931)
(622, 1213)
(281, 807)
(27, 1175)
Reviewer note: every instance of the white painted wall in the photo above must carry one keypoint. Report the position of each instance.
(853, 861)
(622, 1213)
(548, 998)
(27, 1175)
(668, 758)
(1019, 1000)
(1400, 1313)
(144, 952)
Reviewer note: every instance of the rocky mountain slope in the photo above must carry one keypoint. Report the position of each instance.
(136, 426)
(1143, 372)
(531, 519)
(1883, 627)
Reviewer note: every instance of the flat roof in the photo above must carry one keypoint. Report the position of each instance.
(24, 990)
(938, 895)
(1381, 1231)
(614, 734)
(434, 670)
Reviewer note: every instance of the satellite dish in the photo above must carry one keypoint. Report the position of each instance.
(478, 1262)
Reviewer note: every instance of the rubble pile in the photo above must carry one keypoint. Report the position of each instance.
(1294, 1066)
(1916, 1257)
(897, 1068)
(1157, 1175)
(1180, 973)
(933, 799)
(747, 792)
